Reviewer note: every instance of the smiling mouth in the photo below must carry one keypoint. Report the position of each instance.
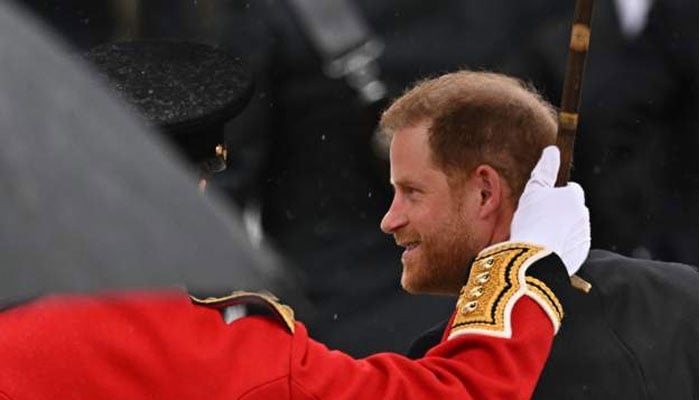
(409, 248)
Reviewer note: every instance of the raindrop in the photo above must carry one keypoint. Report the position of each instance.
(150, 91)
(369, 194)
(86, 21)
(323, 137)
(335, 317)
(289, 214)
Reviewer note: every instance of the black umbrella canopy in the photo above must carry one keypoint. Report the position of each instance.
(90, 198)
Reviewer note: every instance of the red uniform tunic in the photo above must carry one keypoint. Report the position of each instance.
(159, 345)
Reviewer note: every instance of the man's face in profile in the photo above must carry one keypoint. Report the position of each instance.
(428, 217)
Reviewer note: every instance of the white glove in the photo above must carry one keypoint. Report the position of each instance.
(556, 218)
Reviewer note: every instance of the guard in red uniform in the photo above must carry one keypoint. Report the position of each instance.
(164, 344)
(160, 345)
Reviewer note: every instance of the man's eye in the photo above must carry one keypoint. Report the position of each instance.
(410, 192)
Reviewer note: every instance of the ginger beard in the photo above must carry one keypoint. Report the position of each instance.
(439, 262)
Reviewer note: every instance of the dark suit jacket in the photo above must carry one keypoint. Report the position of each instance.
(633, 336)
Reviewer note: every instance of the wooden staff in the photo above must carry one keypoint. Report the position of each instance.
(573, 80)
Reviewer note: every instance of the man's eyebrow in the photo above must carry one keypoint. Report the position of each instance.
(404, 182)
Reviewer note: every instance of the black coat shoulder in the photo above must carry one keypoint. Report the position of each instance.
(633, 336)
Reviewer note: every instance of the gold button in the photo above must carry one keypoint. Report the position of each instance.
(488, 263)
(221, 152)
(476, 292)
(483, 277)
(469, 307)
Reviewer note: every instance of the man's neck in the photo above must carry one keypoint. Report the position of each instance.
(501, 229)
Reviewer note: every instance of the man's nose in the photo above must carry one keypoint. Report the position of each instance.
(393, 219)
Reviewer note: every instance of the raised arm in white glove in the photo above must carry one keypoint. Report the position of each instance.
(553, 217)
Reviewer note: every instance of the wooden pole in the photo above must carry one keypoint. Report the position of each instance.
(573, 81)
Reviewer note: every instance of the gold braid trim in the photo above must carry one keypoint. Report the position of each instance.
(496, 282)
(282, 312)
(543, 295)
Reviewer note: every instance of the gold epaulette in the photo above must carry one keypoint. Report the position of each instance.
(267, 301)
(496, 281)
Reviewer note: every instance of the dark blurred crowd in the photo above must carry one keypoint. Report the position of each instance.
(306, 165)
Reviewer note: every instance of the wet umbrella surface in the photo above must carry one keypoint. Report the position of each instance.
(90, 198)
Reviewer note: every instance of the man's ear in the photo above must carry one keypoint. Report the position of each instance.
(491, 189)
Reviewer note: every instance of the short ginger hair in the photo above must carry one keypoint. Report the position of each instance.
(478, 118)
